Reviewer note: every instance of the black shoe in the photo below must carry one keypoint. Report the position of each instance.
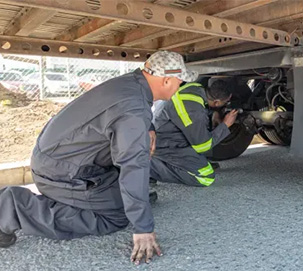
(215, 165)
(153, 196)
(152, 182)
(7, 240)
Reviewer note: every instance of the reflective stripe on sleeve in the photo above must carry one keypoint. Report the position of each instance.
(203, 147)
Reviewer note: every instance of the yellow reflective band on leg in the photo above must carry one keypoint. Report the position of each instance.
(181, 111)
(193, 98)
(203, 180)
(205, 171)
(203, 147)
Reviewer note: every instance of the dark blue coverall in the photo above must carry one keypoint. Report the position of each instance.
(91, 164)
(183, 138)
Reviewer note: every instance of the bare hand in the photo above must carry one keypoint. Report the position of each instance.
(144, 244)
(152, 147)
(230, 118)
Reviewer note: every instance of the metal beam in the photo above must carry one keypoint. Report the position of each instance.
(241, 48)
(97, 26)
(29, 21)
(31, 46)
(279, 13)
(171, 44)
(277, 57)
(296, 146)
(168, 17)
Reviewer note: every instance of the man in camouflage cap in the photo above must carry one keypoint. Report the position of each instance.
(91, 162)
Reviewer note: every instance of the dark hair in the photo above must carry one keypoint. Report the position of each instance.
(218, 91)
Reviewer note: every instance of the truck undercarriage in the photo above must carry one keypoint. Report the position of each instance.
(254, 45)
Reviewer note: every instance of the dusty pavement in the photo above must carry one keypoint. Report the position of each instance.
(250, 219)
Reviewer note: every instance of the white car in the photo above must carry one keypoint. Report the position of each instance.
(11, 80)
(91, 80)
(54, 84)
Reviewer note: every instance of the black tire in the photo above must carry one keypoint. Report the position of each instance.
(273, 137)
(264, 138)
(234, 145)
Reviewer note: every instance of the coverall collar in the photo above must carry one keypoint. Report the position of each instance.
(143, 82)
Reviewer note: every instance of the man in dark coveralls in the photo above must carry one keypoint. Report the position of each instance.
(184, 134)
(91, 162)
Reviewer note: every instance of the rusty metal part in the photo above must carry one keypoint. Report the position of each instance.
(270, 117)
(161, 16)
(32, 46)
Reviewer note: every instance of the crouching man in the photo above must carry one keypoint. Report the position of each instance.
(183, 134)
(91, 162)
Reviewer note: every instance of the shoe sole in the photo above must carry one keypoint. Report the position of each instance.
(9, 241)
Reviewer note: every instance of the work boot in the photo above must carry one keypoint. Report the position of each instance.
(153, 196)
(7, 240)
(215, 165)
(152, 182)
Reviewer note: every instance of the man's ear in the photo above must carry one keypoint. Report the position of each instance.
(166, 81)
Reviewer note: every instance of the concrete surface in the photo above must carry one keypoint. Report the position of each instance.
(15, 173)
(249, 219)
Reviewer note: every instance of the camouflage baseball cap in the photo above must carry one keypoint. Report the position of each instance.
(169, 64)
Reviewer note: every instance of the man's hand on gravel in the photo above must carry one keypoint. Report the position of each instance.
(144, 245)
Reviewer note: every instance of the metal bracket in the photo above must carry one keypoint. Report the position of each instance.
(166, 17)
(270, 117)
(277, 57)
(31, 46)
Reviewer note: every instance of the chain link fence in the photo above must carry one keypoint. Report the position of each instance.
(41, 77)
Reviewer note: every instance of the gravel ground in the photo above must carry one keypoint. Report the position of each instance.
(250, 219)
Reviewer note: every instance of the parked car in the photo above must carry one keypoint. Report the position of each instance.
(31, 85)
(11, 80)
(55, 84)
(91, 80)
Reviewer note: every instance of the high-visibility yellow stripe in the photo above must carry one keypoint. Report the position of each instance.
(191, 97)
(203, 147)
(203, 180)
(205, 171)
(178, 99)
(181, 111)
(189, 85)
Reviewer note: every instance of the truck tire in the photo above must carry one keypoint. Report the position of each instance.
(233, 145)
(272, 136)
